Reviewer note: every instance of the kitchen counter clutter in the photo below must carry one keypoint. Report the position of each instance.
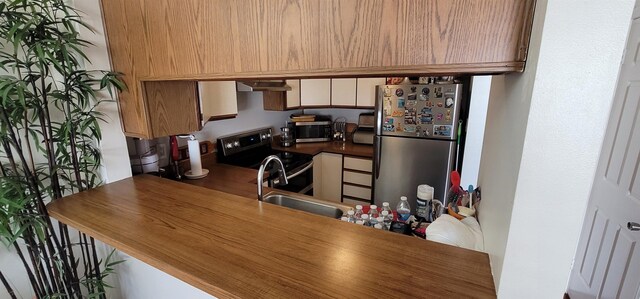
(234, 246)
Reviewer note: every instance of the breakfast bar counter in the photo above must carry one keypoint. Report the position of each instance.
(232, 246)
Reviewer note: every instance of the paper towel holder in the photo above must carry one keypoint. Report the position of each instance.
(196, 171)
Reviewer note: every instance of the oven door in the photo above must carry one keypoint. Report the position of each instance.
(300, 180)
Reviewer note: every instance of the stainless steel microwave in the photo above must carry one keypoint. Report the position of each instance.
(311, 131)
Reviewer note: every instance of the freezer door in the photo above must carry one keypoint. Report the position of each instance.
(428, 111)
(401, 164)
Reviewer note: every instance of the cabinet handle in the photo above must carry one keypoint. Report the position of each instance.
(633, 226)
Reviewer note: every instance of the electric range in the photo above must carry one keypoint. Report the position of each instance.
(248, 149)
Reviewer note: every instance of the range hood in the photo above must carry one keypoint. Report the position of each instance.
(263, 85)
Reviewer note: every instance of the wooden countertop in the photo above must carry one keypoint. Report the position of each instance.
(228, 178)
(236, 247)
(336, 147)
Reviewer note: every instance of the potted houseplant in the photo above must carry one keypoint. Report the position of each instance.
(49, 134)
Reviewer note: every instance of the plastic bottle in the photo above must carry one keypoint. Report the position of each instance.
(380, 220)
(404, 209)
(344, 218)
(358, 212)
(387, 219)
(386, 207)
(378, 226)
(387, 215)
(373, 214)
(365, 219)
(360, 222)
(351, 216)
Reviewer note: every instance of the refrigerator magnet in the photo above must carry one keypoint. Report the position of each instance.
(442, 130)
(439, 116)
(409, 129)
(397, 113)
(448, 103)
(425, 91)
(422, 97)
(438, 92)
(411, 102)
(399, 92)
(400, 102)
(411, 97)
(387, 92)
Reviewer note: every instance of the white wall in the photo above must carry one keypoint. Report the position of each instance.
(555, 115)
(350, 114)
(476, 123)
(250, 116)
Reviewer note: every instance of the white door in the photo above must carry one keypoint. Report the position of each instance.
(315, 92)
(343, 92)
(366, 91)
(607, 262)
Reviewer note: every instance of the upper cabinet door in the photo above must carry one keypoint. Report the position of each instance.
(343, 92)
(218, 99)
(205, 39)
(366, 95)
(293, 96)
(172, 108)
(315, 92)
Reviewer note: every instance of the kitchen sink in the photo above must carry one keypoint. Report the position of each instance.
(303, 205)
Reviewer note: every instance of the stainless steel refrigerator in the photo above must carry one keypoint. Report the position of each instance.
(415, 140)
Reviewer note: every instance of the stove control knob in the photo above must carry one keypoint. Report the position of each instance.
(268, 135)
(236, 143)
(263, 136)
(229, 145)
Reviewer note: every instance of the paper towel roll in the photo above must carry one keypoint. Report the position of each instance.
(194, 157)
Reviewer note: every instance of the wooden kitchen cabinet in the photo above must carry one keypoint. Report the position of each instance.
(293, 95)
(315, 92)
(343, 92)
(342, 178)
(219, 39)
(171, 108)
(281, 101)
(327, 176)
(366, 91)
(357, 180)
(218, 99)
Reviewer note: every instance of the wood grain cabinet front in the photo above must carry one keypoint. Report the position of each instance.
(172, 108)
(220, 39)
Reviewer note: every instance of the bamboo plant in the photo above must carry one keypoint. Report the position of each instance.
(49, 134)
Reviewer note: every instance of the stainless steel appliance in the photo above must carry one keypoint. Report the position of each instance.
(312, 131)
(248, 149)
(365, 132)
(415, 140)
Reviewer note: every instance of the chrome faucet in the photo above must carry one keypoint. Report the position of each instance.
(282, 175)
(283, 178)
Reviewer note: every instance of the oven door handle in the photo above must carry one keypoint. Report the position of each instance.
(304, 168)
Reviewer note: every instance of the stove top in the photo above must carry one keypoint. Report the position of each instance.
(252, 158)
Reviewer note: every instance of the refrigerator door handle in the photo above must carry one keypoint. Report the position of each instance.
(377, 152)
(378, 111)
